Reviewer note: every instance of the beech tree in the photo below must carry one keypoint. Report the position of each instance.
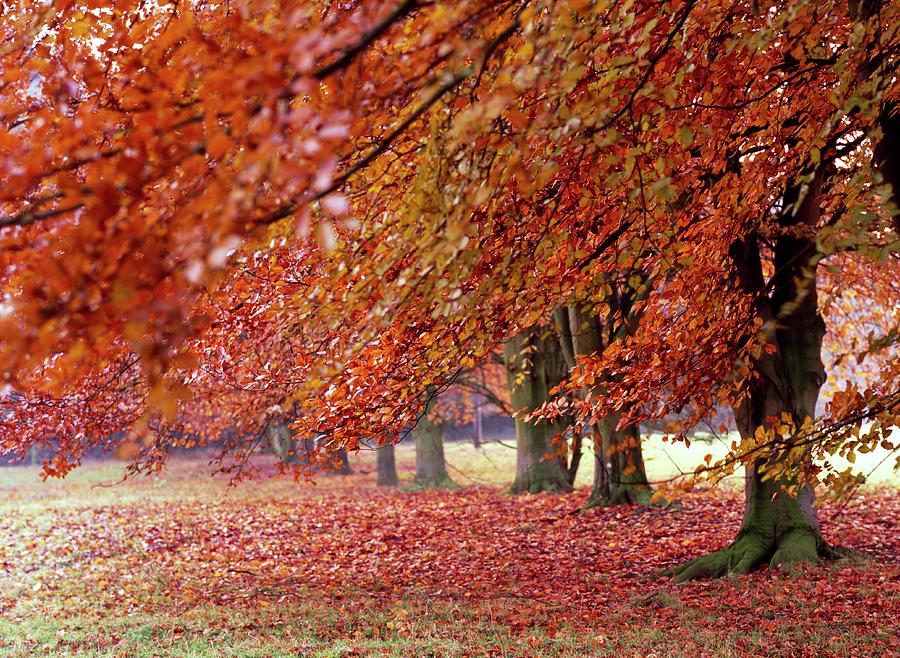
(619, 472)
(431, 469)
(386, 466)
(535, 366)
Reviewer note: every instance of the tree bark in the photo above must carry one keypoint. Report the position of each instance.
(777, 528)
(386, 465)
(887, 155)
(281, 440)
(886, 148)
(431, 469)
(478, 436)
(575, 459)
(534, 365)
(343, 464)
(619, 473)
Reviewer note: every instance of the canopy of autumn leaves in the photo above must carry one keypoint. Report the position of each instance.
(219, 216)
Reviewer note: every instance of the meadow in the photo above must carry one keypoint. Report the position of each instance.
(181, 564)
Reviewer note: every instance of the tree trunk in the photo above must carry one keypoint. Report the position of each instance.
(887, 154)
(281, 440)
(478, 436)
(575, 459)
(533, 366)
(619, 473)
(343, 464)
(386, 466)
(620, 477)
(777, 528)
(431, 469)
(886, 149)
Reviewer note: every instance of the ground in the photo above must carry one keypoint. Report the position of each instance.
(180, 565)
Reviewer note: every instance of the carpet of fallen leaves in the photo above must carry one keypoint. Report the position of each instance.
(530, 562)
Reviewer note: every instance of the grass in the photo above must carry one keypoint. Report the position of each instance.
(182, 565)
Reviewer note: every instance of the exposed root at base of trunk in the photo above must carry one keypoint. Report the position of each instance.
(537, 486)
(541, 477)
(623, 495)
(751, 550)
(440, 483)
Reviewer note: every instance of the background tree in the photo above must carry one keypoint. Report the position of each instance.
(386, 465)
(534, 366)
(431, 468)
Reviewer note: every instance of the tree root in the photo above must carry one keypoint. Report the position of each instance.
(751, 550)
(539, 486)
(624, 495)
(540, 478)
(441, 483)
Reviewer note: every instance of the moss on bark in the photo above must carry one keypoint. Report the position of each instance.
(534, 365)
(431, 468)
(777, 529)
(620, 477)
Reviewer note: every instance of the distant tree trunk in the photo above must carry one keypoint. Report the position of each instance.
(343, 464)
(575, 459)
(431, 469)
(561, 315)
(478, 437)
(281, 440)
(533, 367)
(386, 466)
(778, 528)
(619, 473)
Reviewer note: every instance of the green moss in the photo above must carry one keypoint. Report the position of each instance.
(543, 476)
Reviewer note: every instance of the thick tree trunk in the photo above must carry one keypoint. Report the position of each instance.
(777, 528)
(619, 473)
(431, 469)
(533, 366)
(386, 466)
(886, 149)
(887, 154)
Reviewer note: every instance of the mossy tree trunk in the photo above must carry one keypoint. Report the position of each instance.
(620, 477)
(534, 365)
(386, 465)
(431, 469)
(619, 473)
(778, 528)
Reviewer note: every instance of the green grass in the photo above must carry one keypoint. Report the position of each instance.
(320, 629)
(494, 463)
